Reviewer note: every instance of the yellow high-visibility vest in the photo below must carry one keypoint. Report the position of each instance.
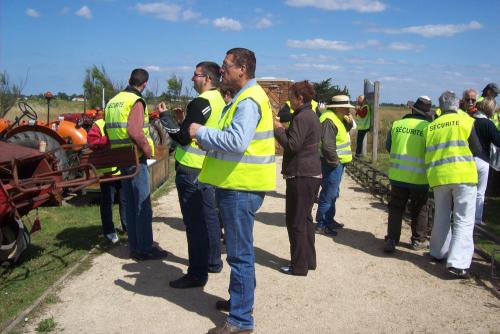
(191, 155)
(116, 118)
(408, 151)
(342, 141)
(254, 169)
(448, 158)
(113, 170)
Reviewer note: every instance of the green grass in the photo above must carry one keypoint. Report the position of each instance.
(68, 233)
(46, 325)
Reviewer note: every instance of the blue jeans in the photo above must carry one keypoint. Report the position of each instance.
(138, 208)
(238, 210)
(330, 190)
(109, 191)
(196, 230)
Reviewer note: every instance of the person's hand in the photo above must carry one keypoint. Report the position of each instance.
(277, 123)
(179, 114)
(162, 107)
(193, 128)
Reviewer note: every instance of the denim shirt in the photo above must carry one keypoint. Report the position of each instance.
(237, 136)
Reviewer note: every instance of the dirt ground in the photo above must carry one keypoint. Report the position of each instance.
(355, 289)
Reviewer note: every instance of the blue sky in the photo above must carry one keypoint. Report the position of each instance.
(412, 47)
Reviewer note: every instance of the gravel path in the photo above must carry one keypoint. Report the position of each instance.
(355, 289)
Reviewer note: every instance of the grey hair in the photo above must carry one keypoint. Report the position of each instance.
(487, 106)
(467, 91)
(448, 101)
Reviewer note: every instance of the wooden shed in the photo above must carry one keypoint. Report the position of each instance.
(277, 91)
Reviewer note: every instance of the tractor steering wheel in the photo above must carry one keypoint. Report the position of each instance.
(27, 110)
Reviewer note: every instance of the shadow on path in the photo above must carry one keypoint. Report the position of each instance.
(271, 218)
(266, 259)
(368, 243)
(174, 222)
(151, 279)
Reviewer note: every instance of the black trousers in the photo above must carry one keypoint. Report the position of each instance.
(418, 212)
(301, 193)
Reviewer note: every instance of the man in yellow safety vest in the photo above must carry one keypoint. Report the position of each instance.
(450, 144)
(335, 152)
(406, 144)
(197, 200)
(240, 163)
(127, 124)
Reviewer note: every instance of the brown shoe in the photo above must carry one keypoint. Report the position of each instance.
(227, 328)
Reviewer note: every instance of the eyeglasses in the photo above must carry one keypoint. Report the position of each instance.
(199, 75)
(470, 99)
(227, 66)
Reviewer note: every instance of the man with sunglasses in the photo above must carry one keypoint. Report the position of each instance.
(197, 201)
(241, 165)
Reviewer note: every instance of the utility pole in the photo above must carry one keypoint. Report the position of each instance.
(376, 99)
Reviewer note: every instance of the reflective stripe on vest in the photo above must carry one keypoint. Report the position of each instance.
(114, 170)
(255, 169)
(191, 155)
(448, 157)
(342, 141)
(407, 162)
(363, 123)
(116, 118)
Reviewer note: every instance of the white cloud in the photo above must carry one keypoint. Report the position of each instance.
(375, 61)
(364, 6)
(227, 24)
(190, 15)
(319, 43)
(165, 11)
(432, 30)
(396, 79)
(264, 23)
(64, 10)
(322, 67)
(310, 59)
(84, 12)
(32, 12)
(400, 46)
(153, 68)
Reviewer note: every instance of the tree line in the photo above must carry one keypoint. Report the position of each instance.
(96, 80)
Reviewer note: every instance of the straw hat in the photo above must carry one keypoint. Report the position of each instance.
(340, 101)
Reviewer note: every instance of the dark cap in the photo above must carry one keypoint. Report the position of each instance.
(493, 86)
(422, 105)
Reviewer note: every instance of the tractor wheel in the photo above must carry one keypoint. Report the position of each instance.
(15, 240)
(32, 139)
(154, 132)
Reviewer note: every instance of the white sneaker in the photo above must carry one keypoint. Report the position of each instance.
(112, 237)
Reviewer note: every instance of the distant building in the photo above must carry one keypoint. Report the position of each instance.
(78, 99)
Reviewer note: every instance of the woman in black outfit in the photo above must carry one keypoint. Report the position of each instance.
(302, 170)
(487, 134)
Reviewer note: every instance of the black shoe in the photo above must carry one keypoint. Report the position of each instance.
(328, 230)
(289, 271)
(187, 281)
(222, 305)
(419, 245)
(390, 246)
(215, 269)
(336, 224)
(435, 259)
(459, 273)
(156, 253)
